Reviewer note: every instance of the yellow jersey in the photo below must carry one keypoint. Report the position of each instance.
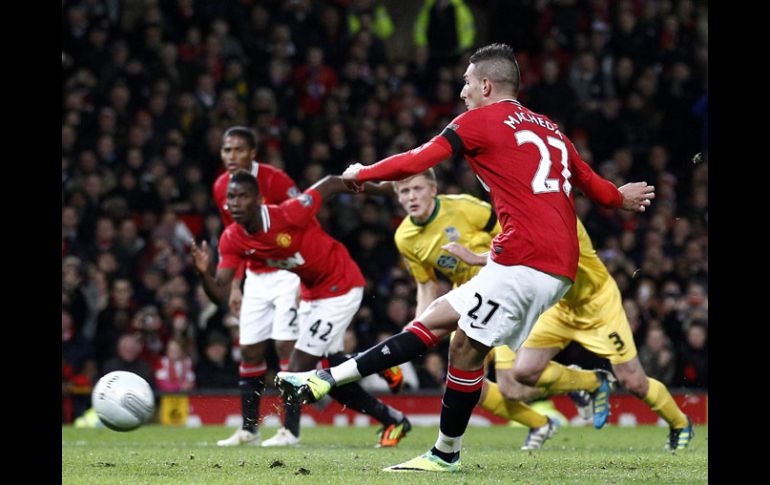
(456, 218)
(591, 272)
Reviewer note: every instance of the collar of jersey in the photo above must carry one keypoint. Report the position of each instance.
(509, 100)
(432, 215)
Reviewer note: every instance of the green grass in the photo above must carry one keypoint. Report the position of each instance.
(155, 454)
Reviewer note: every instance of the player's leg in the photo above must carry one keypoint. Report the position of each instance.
(251, 384)
(507, 399)
(655, 394)
(284, 289)
(299, 360)
(620, 349)
(437, 321)
(534, 365)
(254, 331)
(505, 303)
(504, 398)
(433, 324)
(509, 387)
(395, 425)
(465, 376)
(330, 317)
(554, 330)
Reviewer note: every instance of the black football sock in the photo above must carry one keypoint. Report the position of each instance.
(462, 393)
(400, 348)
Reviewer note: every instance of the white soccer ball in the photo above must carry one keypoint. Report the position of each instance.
(123, 400)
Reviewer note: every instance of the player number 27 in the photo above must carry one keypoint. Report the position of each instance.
(472, 313)
(540, 182)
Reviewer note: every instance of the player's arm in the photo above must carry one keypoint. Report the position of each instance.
(236, 294)
(636, 196)
(424, 275)
(379, 188)
(217, 285)
(400, 166)
(426, 292)
(328, 186)
(465, 254)
(333, 184)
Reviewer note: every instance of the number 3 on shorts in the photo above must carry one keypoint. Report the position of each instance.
(472, 313)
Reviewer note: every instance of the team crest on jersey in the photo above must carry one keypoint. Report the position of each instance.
(452, 233)
(306, 200)
(293, 192)
(283, 239)
(446, 261)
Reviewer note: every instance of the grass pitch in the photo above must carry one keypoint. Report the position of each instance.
(328, 455)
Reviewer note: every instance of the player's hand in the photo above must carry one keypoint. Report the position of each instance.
(350, 177)
(236, 297)
(200, 255)
(637, 196)
(465, 254)
(459, 250)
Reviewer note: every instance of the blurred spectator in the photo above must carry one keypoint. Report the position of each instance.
(129, 348)
(657, 355)
(149, 325)
(551, 96)
(313, 81)
(693, 356)
(114, 320)
(432, 373)
(370, 15)
(216, 369)
(174, 371)
(447, 28)
(74, 299)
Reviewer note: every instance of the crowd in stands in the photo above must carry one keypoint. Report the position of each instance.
(149, 86)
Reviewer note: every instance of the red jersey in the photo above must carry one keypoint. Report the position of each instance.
(290, 238)
(528, 166)
(275, 187)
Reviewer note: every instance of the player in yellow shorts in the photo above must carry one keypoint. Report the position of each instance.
(591, 313)
(433, 221)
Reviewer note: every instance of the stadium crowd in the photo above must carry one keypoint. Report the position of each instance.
(150, 86)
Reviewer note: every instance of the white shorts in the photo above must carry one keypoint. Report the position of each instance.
(500, 305)
(323, 322)
(269, 307)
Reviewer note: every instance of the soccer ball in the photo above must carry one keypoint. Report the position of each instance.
(123, 401)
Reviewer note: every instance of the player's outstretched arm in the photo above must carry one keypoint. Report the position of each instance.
(329, 185)
(400, 166)
(468, 256)
(333, 184)
(216, 286)
(378, 188)
(635, 196)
